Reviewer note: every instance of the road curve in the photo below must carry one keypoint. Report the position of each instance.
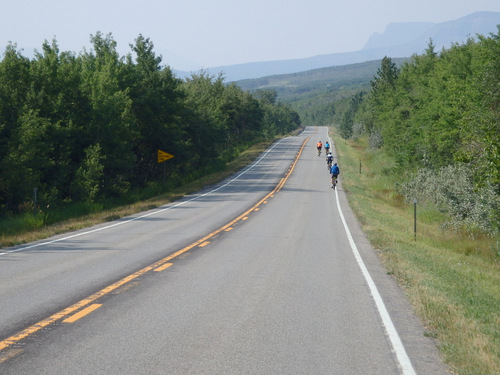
(267, 272)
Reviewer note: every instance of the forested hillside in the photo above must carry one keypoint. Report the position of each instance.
(87, 127)
(318, 94)
(438, 116)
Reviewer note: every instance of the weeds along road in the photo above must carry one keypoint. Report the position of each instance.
(265, 273)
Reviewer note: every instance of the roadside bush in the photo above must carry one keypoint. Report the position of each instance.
(452, 190)
(358, 130)
(376, 141)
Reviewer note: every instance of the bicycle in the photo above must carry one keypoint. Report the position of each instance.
(335, 171)
(334, 182)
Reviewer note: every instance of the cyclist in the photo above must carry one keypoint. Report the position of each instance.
(329, 160)
(327, 147)
(319, 146)
(334, 171)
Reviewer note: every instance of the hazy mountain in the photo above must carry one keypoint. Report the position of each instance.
(397, 34)
(415, 36)
(398, 40)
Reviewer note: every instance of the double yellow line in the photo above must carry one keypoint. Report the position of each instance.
(70, 313)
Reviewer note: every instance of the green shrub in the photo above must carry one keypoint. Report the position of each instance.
(451, 189)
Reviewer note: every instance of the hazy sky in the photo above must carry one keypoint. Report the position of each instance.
(194, 34)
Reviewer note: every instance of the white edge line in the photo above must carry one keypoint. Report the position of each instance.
(396, 343)
(149, 214)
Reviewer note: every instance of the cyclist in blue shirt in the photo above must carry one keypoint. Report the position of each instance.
(327, 147)
(334, 171)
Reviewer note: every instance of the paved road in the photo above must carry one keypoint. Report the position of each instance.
(266, 273)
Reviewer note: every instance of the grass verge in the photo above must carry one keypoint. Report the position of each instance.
(452, 281)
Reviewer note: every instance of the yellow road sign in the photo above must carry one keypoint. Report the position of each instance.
(162, 156)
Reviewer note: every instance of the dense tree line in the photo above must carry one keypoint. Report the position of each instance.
(436, 111)
(87, 127)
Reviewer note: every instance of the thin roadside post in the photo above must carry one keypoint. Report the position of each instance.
(35, 190)
(414, 219)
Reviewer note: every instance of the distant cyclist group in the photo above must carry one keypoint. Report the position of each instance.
(332, 167)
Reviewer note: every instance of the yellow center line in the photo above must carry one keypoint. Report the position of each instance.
(82, 313)
(204, 244)
(164, 267)
(71, 309)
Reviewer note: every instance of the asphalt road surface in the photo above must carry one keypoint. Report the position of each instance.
(267, 272)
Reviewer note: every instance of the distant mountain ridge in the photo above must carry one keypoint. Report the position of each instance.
(398, 40)
(397, 34)
(417, 34)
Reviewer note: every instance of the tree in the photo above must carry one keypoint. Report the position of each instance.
(112, 118)
(481, 121)
(88, 180)
(386, 78)
(55, 96)
(208, 129)
(156, 104)
(346, 127)
(267, 96)
(14, 83)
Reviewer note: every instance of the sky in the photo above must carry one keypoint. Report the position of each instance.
(199, 34)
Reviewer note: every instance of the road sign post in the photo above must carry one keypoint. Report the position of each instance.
(35, 191)
(163, 156)
(414, 219)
